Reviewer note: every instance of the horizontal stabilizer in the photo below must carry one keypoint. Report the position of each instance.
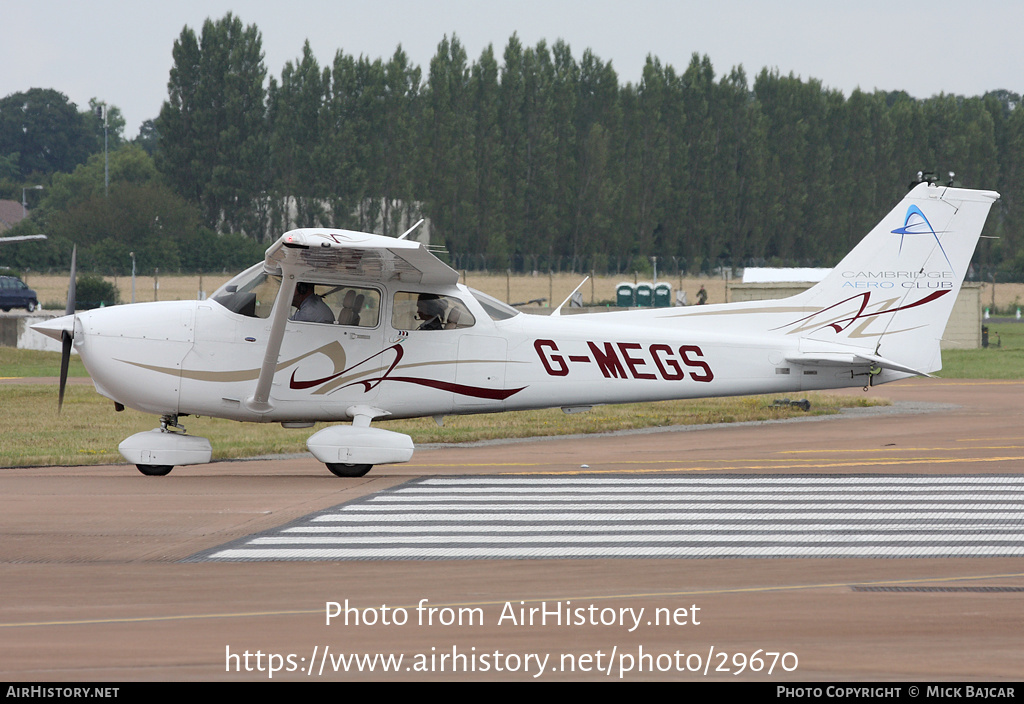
(846, 359)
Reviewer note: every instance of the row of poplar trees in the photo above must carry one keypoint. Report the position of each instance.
(542, 160)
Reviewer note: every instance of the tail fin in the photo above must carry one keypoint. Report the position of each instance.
(892, 295)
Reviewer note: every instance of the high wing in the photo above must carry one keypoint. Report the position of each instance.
(357, 255)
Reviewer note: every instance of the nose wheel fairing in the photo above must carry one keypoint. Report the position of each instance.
(161, 448)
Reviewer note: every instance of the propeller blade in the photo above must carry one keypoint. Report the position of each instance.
(70, 307)
(65, 359)
(66, 338)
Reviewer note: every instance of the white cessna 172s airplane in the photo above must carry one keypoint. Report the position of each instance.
(384, 330)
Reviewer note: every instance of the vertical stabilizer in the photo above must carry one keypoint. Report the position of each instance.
(893, 294)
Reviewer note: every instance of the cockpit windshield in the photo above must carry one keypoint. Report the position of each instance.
(494, 308)
(251, 293)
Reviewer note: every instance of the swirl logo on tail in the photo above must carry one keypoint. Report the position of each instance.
(915, 223)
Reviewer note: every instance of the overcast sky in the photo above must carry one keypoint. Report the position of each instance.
(120, 50)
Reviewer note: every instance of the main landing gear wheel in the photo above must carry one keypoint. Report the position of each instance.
(155, 470)
(339, 469)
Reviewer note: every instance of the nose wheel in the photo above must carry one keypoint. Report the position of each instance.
(155, 470)
(339, 469)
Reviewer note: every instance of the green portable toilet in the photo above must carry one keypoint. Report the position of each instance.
(645, 294)
(662, 295)
(625, 295)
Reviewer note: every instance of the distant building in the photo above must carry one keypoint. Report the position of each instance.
(765, 275)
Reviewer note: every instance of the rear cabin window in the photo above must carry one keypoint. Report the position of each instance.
(351, 305)
(428, 311)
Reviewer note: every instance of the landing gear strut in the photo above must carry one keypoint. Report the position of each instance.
(169, 423)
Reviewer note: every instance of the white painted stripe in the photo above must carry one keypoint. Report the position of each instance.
(673, 505)
(752, 514)
(1012, 526)
(917, 493)
(695, 488)
(738, 480)
(631, 552)
(763, 537)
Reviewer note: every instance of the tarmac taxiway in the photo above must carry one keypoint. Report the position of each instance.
(880, 545)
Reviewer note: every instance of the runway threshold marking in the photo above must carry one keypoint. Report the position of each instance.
(626, 516)
(526, 600)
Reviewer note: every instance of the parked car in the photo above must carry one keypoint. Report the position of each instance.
(15, 294)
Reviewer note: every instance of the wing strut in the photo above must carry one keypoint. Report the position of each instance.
(259, 402)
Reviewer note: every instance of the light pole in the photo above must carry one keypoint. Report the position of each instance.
(132, 255)
(24, 201)
(101, 113)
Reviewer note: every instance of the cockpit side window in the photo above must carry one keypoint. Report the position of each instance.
(429, 311)
(336, 304)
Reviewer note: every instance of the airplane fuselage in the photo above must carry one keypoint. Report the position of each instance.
(199, 358)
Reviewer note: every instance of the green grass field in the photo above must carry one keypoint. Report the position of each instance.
(1003, 362)
(29, 363)
(88, 431)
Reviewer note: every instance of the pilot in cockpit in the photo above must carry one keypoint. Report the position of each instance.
(430, 309)
(310, 307)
